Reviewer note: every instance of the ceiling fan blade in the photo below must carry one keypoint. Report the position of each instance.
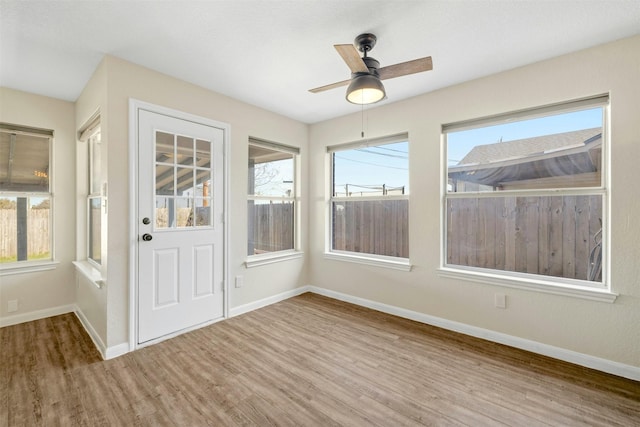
(406, 68)
(331, 86)
(351, 56)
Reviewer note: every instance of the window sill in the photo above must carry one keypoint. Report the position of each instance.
(27, 267)
(271, 258)
(594, 294)
(90, 273)
(401, 264)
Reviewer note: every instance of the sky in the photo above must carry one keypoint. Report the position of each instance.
(365, 170)
(460, 143)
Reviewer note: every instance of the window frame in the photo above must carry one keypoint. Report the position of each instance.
(26, 266)
(601, 291)
(384, 261)
(94, 189)
(253, 260)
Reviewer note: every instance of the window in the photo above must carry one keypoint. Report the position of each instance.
(25, 195)
(526, 193)
(272, 197)
(95, 200)
(370, 197)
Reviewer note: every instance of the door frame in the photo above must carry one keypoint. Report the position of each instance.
(135, 106)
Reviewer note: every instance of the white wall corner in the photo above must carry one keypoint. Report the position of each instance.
(106, 352)
(97, 341)
(116, 350)
(604, 365)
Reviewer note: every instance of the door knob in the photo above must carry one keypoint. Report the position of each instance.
(146, 221)
(146, 237)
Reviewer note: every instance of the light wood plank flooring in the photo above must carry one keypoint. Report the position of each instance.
(307, 361)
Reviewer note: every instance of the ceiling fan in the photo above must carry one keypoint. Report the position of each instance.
(365, 86)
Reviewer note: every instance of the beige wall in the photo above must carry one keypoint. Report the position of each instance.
(126, 80)
(598, 329)
(604, 330)
(90, 300)
(49, 290)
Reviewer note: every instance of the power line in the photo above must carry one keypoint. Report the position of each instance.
(365, 150)
(372, 164)
(388, 149)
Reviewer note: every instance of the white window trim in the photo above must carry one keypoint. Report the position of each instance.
(90, 271)
(534, 282)
(395, 263)
(27, 267)
(257, 260)
(272, 257)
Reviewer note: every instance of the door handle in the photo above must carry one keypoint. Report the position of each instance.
(146, 237)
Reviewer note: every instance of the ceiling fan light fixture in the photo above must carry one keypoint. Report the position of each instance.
(365, 88)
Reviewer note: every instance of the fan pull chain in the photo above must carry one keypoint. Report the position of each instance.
(362, 120)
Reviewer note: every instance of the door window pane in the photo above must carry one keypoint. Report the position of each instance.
(183, 175)
(184, 150)
(164, 147)
(203, 153)
(164, 180)
(185, 182)
(165, 212)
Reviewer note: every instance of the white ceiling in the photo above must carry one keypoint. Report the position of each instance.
(270, 52)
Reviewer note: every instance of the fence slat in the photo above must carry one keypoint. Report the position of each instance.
(552, 236)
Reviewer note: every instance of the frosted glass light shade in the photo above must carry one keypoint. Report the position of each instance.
(365, 89)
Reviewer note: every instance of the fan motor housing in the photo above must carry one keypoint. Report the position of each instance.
(372, 64)
(365, 42)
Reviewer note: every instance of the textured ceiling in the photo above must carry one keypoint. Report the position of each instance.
(270, 52)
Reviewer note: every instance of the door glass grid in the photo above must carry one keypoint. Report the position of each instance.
(183, 184)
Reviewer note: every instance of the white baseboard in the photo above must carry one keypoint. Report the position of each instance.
(245, 308)
(106, 352)
(604, 365)
(36, 315)
(97, 341)
(116, 350)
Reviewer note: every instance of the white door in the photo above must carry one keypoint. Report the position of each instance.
(180, 224)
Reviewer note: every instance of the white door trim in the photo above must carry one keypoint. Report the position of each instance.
(134, 106)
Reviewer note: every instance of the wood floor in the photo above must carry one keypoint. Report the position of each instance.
(307, 361)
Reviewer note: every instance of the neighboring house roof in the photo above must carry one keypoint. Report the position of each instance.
(519, 148)
(562, 154)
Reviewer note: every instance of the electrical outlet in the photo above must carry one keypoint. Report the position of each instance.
(239, 281)
(12, 305)
(500, 300)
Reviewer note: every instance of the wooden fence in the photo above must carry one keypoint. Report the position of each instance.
(37, 233)
(270, 227)
(378, 227)
(552, 235)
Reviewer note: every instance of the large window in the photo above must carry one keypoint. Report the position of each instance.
(25, 195)
(526, 194)
(370, 197)
(272, 197)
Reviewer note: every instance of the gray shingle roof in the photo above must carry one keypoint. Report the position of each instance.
(519, 148)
